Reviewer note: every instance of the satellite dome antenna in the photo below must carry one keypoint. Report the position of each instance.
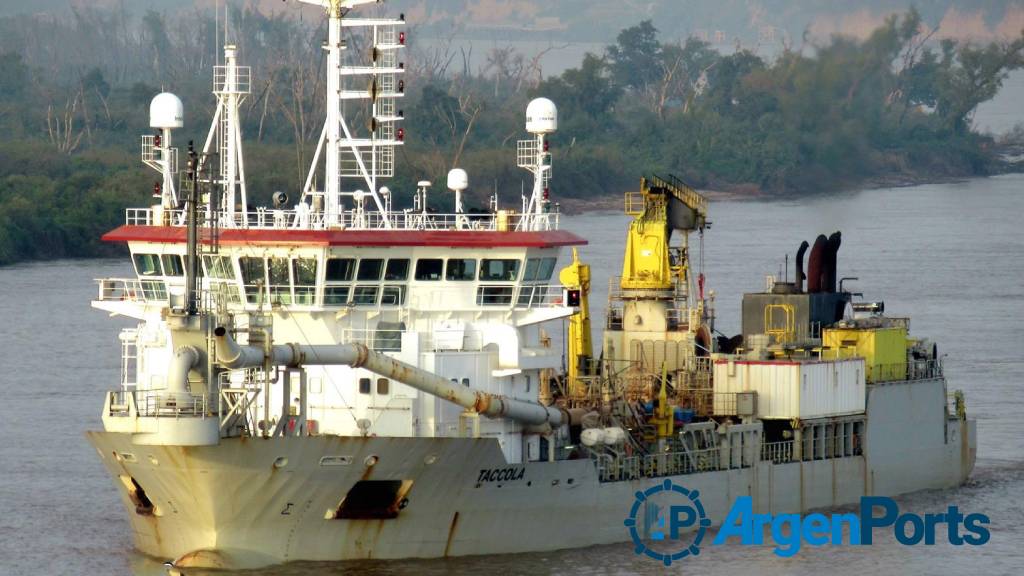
(458, 181)
(166, 113)
(534, 155)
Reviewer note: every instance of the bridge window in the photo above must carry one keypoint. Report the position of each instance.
(219, 267)
(370, 269)
(304, 276)
(393, 296)
(365, 295)
(172, 265)
(460, 269)
(336, 295)
(547, 268)
(530, 272)
(280, 282)
(494, 295)
(382, 386)
(253, 277)
(340, 269)
(539, 269)
(397, 270)
(147, 264)
(364, 385)
(429, 269)
(499, 270)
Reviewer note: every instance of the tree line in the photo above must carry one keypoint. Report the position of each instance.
(74, 95)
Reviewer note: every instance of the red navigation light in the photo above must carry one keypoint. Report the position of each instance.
(400, 134)
(156, 190)
(547, 193)
(572, 298)
(157, 140)
(401, 38)
(547, 145)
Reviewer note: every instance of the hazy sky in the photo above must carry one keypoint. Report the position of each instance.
(722, 21)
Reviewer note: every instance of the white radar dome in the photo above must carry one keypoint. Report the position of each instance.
(166, 111)
(458, 180)
(541, 116)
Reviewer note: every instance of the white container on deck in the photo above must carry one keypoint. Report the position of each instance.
(789, 389)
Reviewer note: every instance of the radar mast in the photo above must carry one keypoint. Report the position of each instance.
(345, 154)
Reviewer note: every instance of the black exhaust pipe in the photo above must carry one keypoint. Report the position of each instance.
(815, 264)
(828, 281)
(800, 276)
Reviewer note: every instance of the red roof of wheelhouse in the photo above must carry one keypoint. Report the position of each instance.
(362, 238)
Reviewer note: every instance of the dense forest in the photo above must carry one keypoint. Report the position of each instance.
(74, 95)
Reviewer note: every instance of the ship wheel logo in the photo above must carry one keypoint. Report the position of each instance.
(658, 517)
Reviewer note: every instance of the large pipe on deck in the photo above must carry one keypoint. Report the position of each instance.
(815, 264)
(831, 253)
(233, 355)
(800, 276)
(184, 360)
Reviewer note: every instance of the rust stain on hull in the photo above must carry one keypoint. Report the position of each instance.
(451, 534)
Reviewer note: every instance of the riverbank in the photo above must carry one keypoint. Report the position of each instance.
(1011, 161)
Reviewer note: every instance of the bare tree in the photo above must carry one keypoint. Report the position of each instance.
(60, 125)
(470, 110)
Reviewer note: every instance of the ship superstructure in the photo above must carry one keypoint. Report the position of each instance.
(341, 379)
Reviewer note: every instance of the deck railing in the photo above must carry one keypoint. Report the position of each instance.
(777, 452)
(304, 219)
(901, 371)
(131, 289)
(612, 469)
(157, 404)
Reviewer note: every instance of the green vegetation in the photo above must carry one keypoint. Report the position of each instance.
(895, 105)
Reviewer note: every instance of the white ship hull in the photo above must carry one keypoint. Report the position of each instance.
(252, 502)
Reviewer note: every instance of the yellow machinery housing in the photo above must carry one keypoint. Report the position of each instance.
(656, 315)
(883, 347)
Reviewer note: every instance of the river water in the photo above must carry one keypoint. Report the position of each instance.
(950, 256)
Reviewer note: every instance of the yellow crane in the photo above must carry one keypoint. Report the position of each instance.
(660, 207)
(656, 315)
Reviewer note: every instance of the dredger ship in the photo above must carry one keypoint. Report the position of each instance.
(334, 378)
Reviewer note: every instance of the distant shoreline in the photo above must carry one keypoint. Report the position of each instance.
(748, 192)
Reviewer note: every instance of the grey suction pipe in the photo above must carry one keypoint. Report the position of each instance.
(185, 359)
(235, 356)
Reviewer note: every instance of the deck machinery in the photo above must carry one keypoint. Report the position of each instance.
(659, 318)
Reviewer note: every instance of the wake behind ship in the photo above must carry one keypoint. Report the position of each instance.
(339, 379)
